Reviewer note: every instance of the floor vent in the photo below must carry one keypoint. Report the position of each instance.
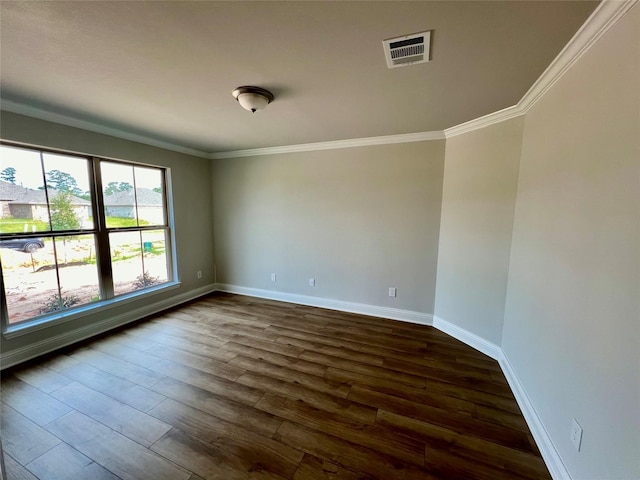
(407, 50)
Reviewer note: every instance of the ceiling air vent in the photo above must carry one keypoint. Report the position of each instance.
(407, 50)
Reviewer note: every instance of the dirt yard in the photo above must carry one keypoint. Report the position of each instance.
(28, 291)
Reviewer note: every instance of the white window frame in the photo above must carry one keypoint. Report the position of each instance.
(101, 233)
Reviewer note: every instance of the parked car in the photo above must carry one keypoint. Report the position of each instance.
(27, 245)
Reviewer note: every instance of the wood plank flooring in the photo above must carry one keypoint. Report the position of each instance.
(232, 387)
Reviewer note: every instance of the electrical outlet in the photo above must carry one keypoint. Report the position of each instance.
(199, 274)
(392, 292)
(576, 434)
(273, 277)
(312, 282)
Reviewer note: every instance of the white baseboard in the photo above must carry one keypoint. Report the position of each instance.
(548, 450)
(361, 308)
(19, 355)
(549, 453)
(465, 336)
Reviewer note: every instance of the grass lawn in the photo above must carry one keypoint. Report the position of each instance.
(119, 222)
(17, 225)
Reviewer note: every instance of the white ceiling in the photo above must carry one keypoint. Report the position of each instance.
(166, 70)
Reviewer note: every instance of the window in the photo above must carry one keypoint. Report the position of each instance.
(78, 231)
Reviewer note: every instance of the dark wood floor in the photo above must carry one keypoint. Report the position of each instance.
(233, 387)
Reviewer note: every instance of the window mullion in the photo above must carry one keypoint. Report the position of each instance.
(103, 255)
(113, 252)
(4, 311)
(57, 264)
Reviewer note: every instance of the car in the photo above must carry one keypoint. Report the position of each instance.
(27, 245)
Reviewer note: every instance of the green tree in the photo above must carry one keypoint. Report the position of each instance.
(114, 187)
(8, 175)
(63, 182)
(63, 215)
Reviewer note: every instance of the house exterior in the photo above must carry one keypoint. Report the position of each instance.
(8, 193)
(123, 204)
(20, 202)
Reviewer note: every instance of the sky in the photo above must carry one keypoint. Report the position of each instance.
(29, 171)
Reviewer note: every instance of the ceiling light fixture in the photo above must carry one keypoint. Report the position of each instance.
(252, 98)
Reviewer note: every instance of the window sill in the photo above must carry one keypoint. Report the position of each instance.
(25, 328)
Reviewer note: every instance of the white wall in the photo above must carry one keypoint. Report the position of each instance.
(572, 316)
(363, 219)
(358, 220)
(478, 200)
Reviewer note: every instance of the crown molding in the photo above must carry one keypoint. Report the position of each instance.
(482, 122)
(41, 114)
(605, 16)
(331, 145)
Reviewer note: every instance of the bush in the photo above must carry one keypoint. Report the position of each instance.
(145, 280)
(56, 303)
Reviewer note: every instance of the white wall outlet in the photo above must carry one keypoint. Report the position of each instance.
(273, 277)
(312, 282)
(392, 291)
(576, 434)
(199, 274)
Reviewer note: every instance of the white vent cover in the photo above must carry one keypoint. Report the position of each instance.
(407, 50)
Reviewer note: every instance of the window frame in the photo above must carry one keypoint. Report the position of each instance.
(101, 234)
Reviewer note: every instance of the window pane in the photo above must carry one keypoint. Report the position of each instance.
(155, 257)
(48, 237)
(118, 195)
(23, 205)
(68, 186)
(138, 260)
(149, 196)
(29, 276)
(126, 261)
(77, 269)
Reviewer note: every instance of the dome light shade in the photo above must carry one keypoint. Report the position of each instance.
(252, 101)
(252, 98)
